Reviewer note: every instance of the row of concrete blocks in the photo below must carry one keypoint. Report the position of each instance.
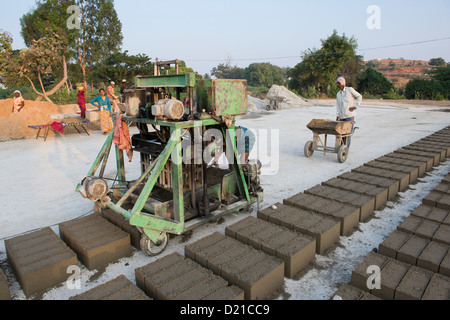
(254, 255)
(41, 260)
(414, 261)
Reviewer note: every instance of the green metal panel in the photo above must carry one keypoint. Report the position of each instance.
(174, 81)
(222, 96)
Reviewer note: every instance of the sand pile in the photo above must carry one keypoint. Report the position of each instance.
(290, 99)
(255, 104)
(15, 126)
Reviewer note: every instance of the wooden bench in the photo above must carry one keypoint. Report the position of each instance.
(47, 127)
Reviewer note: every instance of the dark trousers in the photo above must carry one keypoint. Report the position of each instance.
(344, 140)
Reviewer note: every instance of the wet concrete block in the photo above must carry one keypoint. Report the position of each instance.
(348, 292)
(391, 276)
(326, 232)
(360, 274)
(4, 289)
(254, 271)
(410, 224)
(432, 256)
(413, 284)
(392, 184)
(429, 148)
(421, 166)
(40, 260)
(119, 221)
(427, 229)
(439, 215)
(438, 288)
(380, 193)
(443, 187)
(442, 235)
(393, 243)
(412, 171)
(402, 178)
(444, 202)
(228, 293)
(411, 250)
(96, 241)
(296, 250)
(444, 268)
(283, 215)
(347, 215)
(432, 199)
(429, 162)
(434, 155)
(119, 288)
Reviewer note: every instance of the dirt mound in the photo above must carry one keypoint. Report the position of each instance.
(290, 99)
(14, 126)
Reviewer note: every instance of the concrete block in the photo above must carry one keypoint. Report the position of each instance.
(427, 229)
(283, 215)
(410, 224)
(408, 157)
(254, 271)
(393, 243)
(444, 202)
(119, 221)
(391, 276)
(296, 250)
(4, 289)
(360, 275)
(96, 241)
(439, 215)
(402, 178)
(40, 260)
(432, 256)
(392, 184)
(432, 199)
(434, 155)
(413, 284)
(348, 292)
(228, 293)
(444, 268)
(119, 288)
(442, 235)
(326, 232)
(438, 288)
(411, 250)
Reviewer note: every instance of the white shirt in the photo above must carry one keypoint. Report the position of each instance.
(346, 99)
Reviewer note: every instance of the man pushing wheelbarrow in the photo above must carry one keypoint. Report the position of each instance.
(348, 101)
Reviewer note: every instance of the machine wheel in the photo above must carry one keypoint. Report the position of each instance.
(150, 248)
(309, 149)
(342, 153)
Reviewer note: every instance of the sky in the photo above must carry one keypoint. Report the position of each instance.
(206, 33)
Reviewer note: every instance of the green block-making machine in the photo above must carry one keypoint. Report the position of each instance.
(178, 188)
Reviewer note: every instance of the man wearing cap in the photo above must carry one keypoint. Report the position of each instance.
(112, 97)
(348, 101)
(18, 102)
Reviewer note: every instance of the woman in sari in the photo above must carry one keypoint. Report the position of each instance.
(104, 106)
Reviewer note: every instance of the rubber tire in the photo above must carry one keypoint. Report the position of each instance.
(308, 150)
(342, 153)
(150, 248)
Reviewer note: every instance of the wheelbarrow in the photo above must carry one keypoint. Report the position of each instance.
(340, 129)
(274, 103)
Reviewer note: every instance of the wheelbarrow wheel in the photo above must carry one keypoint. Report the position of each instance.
(151, 248)
(342, 153)
(309, 151)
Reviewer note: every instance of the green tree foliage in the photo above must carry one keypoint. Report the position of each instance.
(374, 82)
(5, 53)
(438, 62)
(121, 65)
(264, 75)
(437, 88)
(321, 67)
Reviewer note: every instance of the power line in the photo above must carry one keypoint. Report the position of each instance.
(321, 54)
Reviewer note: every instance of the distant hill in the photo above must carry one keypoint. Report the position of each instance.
(400, 71)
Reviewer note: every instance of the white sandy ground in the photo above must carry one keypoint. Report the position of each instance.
(39, 180)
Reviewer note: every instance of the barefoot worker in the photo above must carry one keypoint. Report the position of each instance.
(18, 102)
(104, 106)
(348, 100)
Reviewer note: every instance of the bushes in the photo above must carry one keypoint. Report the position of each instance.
(374, 83)
(424, 90)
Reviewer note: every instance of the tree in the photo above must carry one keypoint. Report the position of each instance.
(5, 53)
(100, 32)
(321, 67)
(227, 71)
(39, 60)
(438, 62)
(374, 82)
(264, 75)
(121, 65)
